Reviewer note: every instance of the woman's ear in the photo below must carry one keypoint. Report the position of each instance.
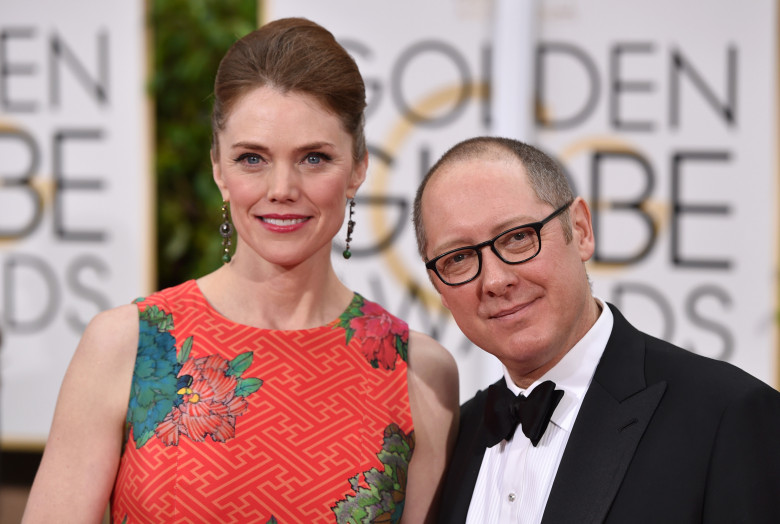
(358, 176)
(216, 172)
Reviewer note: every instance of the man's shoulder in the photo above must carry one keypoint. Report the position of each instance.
(475, 406)
(667, 361)
(664, 358)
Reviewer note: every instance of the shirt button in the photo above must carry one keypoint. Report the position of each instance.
(511, 497)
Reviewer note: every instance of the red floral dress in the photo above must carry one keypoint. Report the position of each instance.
(230, 423)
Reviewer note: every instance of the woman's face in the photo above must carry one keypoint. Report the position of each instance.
(285, 165)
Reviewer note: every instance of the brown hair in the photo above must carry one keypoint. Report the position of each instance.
(292, 55)
(545, 176)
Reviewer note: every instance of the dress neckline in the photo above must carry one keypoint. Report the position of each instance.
(210, 309)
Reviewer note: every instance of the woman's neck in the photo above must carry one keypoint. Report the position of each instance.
(268, 296)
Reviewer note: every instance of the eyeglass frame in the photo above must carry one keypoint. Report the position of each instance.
(536, 226)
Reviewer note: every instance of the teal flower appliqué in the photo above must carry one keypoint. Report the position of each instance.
(173, 394)
(155, 380)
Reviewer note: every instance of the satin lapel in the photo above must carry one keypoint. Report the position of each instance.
(598, 454)
(615, 413)
(465, 463)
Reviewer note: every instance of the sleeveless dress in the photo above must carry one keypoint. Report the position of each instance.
(231, 423)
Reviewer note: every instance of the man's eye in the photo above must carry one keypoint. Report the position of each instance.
(459, 257)
(520, 236)
(517, 238)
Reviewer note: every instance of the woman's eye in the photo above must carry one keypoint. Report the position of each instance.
(314, 159)
(249, 158)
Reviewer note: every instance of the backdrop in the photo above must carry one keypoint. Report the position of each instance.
(670, 133)
(75, 201)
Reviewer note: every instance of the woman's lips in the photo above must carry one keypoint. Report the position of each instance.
(283, 223)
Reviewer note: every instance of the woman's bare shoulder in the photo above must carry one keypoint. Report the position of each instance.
(434, 398)
(82, 453)
(121, 318)
(111, 336)
(433, 376)
(428, 357)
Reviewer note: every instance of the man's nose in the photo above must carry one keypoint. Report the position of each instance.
(497, 275)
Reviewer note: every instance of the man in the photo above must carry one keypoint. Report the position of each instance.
(640, 430)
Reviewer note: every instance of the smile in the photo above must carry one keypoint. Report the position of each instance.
(283, 221)
(511, 311)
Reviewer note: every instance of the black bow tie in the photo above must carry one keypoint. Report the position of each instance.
(504, 411)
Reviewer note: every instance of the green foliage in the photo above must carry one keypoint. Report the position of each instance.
(157, 317)
(190, 37)
(247, 386)
(353, 311)
(241, 363)
(383, 496)
(236, 367)
(184, 353)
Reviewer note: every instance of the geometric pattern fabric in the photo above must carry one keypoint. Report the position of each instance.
(309, 421)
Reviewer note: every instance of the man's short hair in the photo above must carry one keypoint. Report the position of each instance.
(545, 176)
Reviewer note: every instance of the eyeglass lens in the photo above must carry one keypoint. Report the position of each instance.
(514, 246)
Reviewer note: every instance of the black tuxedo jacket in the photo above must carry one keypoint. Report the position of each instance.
(663, 436)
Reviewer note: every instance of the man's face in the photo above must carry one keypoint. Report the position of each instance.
(528, 315)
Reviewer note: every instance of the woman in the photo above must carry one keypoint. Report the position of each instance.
(265, 391)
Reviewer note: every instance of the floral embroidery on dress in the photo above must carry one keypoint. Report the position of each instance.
(173, 394)
(210, 398)
(383, 336)
(381, 496)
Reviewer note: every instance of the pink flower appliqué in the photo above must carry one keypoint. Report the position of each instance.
(209, 404)
(383, 336)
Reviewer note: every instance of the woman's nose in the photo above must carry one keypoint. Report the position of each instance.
(283, 184)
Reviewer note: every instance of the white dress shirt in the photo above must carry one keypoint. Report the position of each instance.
(515, 478)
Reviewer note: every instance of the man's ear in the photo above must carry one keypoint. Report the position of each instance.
(444, 301)
(582, 228)
(435, 282)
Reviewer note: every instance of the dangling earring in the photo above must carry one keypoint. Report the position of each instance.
(350, 228)
(226, 231)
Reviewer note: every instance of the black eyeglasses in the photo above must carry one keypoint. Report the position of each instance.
(513, 246)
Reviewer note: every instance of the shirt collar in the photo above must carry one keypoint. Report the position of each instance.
(574, 372)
